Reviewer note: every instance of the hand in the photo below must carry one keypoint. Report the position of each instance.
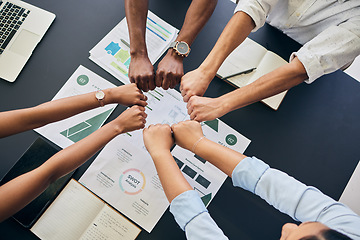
(158, 138)
(141, 72)
(127, 95)
(195, 83)
(131, 119)
(205, 109)
(187, 133)
(169, 71)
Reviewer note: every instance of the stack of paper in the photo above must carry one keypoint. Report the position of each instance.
(112, 53)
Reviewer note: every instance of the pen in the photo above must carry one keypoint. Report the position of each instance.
(242, 72)
(124, 42)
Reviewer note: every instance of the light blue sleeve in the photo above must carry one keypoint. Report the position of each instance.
(301, 202)
(193, 218)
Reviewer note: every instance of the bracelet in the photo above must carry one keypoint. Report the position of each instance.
(196, 143)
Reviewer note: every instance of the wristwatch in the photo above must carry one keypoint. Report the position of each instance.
(181, 48)
(100, 95)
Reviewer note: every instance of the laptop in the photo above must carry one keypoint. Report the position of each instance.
(22, 26)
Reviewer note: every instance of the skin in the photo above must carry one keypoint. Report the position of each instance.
(20, 191)
(21, 120)
(158, 141)
(195, 83)
(170, 69)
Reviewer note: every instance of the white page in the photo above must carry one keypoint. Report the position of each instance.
(204, 177)
(126, 178)
(114, 56)
(164, 107)
(109, 224)
(353, 69)
(69, 215)
(351, 194)
(70, 130)
(246, 56)
(269, 63)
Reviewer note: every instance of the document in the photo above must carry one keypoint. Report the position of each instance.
(164, 107)
(78, 214)
(70, 130)
(112, 53)
(249, 55)
(125, 176)
(204, 177)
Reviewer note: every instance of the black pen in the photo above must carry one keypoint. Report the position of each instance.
(125, 42)
(242, 72)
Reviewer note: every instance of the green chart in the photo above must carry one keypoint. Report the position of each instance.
(83, 129)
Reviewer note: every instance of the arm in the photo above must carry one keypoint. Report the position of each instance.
(235, 32)
(17, 193)
(141, 70)
(17, 121)
(170, 69)
(277, 81)
(301, 202)
(186, 205)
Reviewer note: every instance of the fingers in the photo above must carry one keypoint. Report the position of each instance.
(158, 78)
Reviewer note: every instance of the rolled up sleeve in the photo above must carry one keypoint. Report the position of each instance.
(332, 49)
(257, 10)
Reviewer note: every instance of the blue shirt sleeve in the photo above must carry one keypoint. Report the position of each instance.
(301, 202)
(193, 218)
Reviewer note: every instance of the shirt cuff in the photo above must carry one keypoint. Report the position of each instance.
(254, 10)
(310, 62)
(248, 173)
(186, 206)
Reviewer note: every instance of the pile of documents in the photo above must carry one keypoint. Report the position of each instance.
(112, 53)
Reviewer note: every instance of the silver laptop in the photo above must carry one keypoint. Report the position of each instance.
(22, 26)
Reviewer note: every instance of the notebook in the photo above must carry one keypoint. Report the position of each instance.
(22, 26)
(255, 61)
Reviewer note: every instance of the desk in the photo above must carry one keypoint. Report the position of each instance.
(314, 135)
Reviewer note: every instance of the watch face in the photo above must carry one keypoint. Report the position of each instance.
(100, 95)
(182, 47)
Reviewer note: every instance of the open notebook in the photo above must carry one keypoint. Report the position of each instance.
(249, 55)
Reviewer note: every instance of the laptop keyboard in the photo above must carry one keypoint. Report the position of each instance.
(11, 18)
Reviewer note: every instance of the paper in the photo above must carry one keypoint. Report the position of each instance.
(204, 177)
(70, 130)
(351, 194)
(126, 178)
(78, 214)
(248, 55)
(353, 69)
(113, 53)
(164, 107)
(124, 174)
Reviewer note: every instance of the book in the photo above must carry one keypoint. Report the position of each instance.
(251, 55)
(112, 53)
(79, 214)
(38, 153)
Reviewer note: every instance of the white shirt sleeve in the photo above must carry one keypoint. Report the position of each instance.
(193, 218)
(257, 10)
(332, 49)
(301, 202)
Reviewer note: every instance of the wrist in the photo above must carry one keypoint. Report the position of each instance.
(172, 54)
(160, 154)
(138, 53)
(108, 99)
(207, 71)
